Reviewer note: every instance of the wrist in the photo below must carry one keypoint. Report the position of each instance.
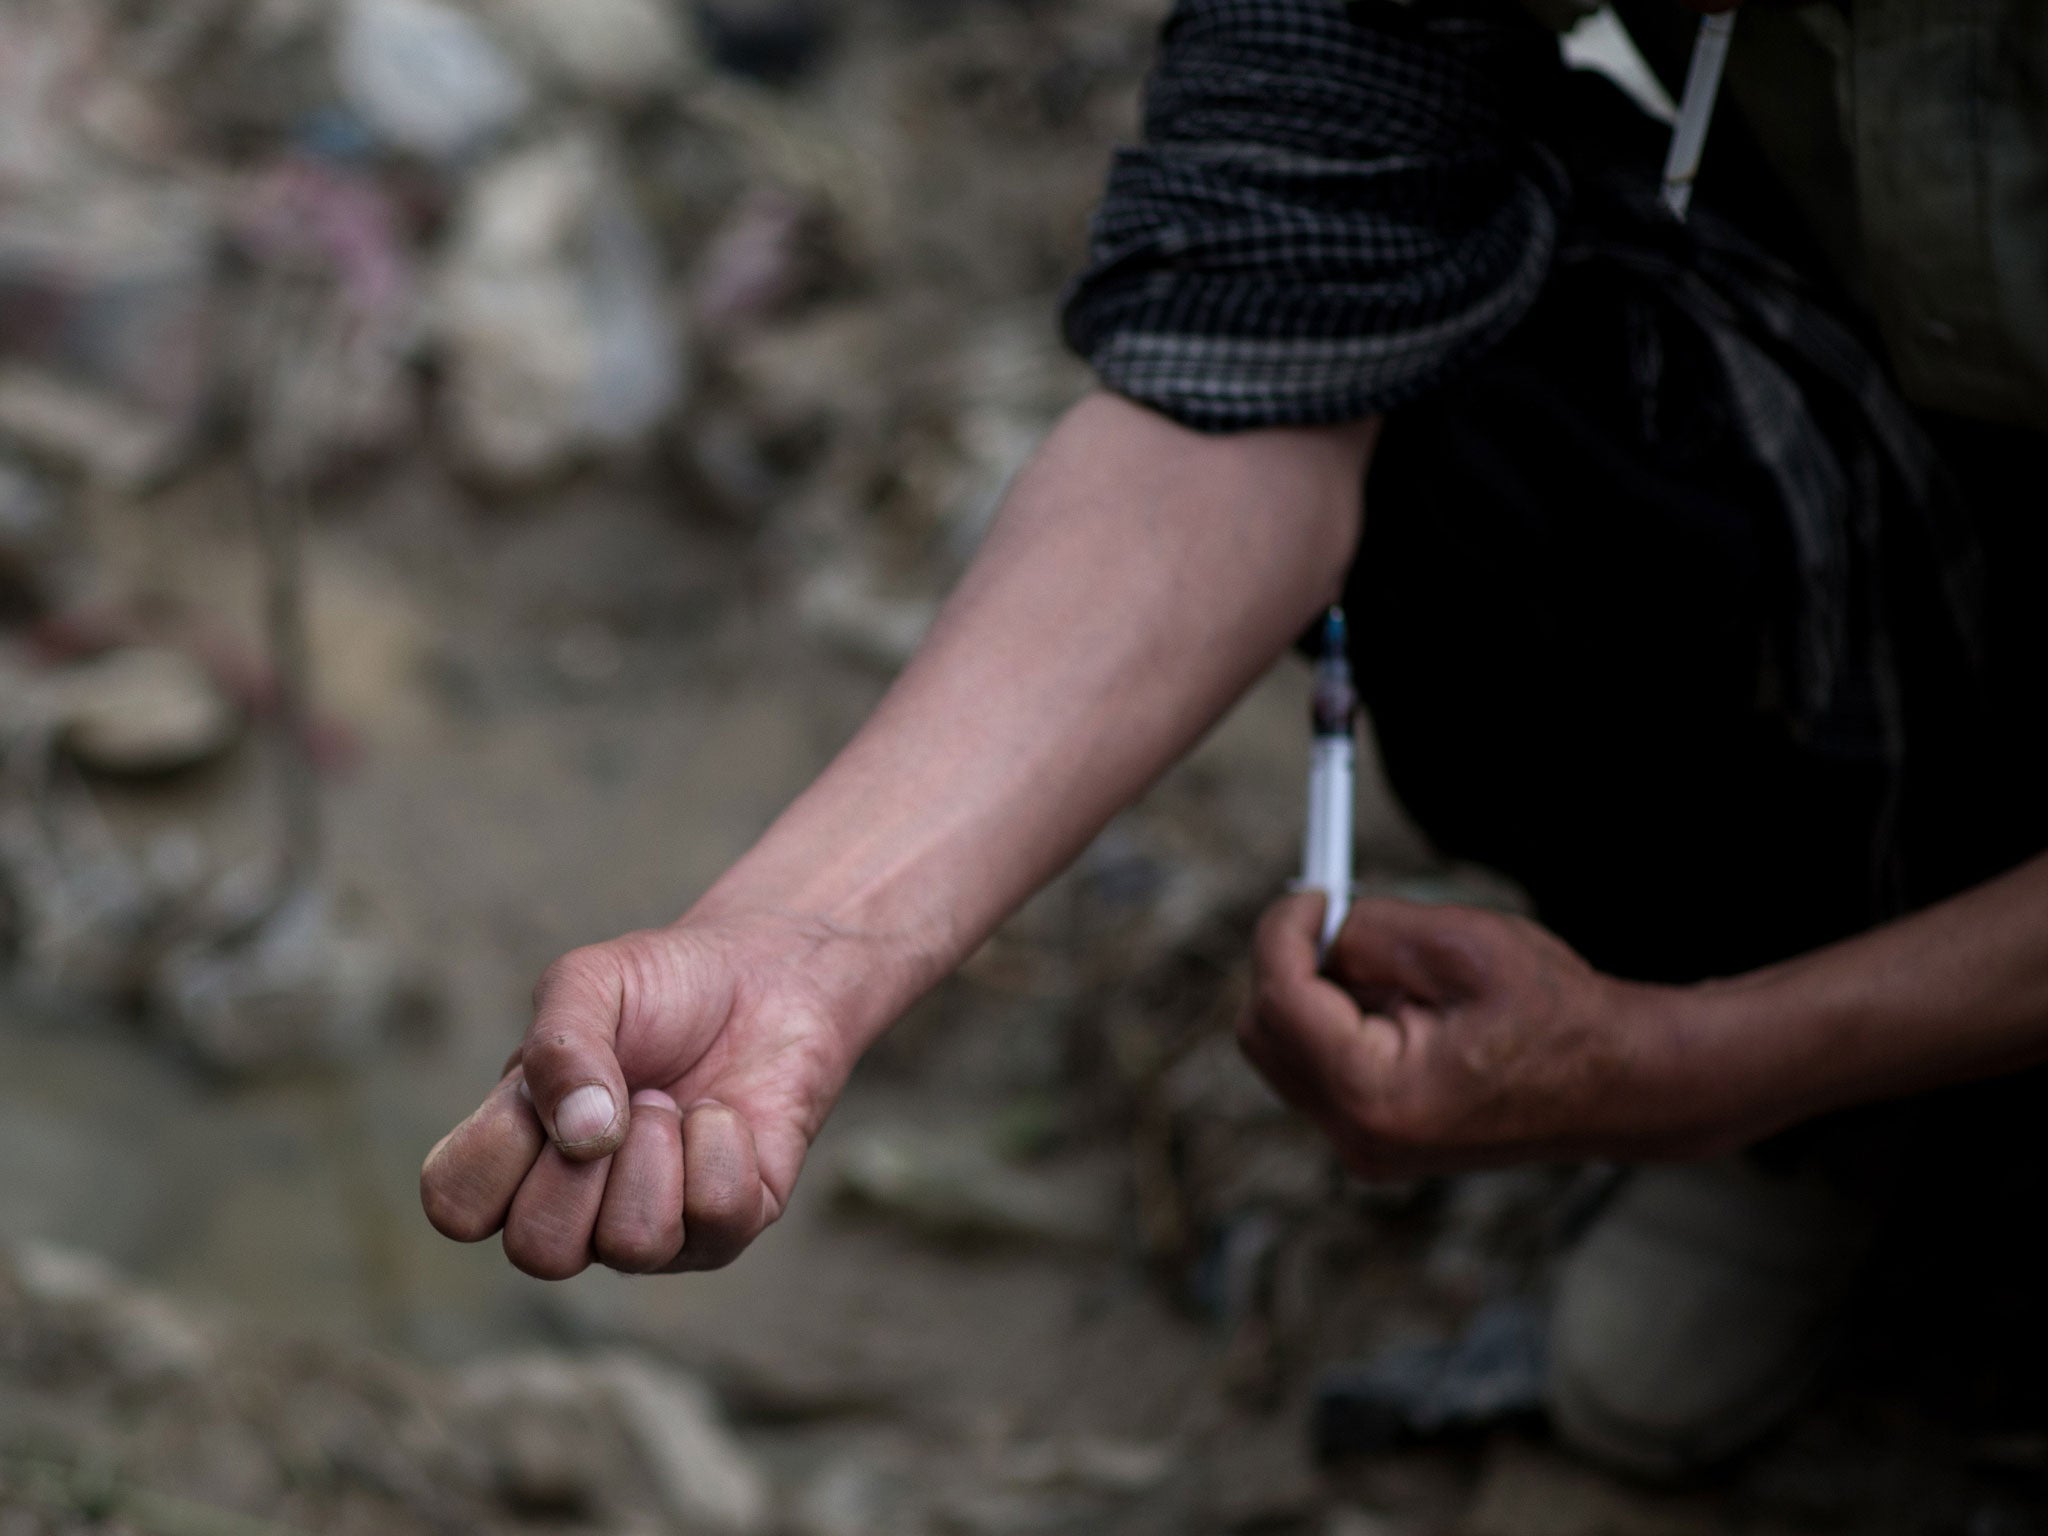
(853, 972)
(1702, 1081)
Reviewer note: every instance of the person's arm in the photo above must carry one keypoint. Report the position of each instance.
(1139, 577)
(1444, 1038)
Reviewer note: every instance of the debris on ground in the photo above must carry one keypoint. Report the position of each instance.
(302, 982)
(1492, 1374)
(621, 352)
(426, 77)
(955, 1187)
(138, 711)
(552, 315)
(116, 1404)
(108, 354)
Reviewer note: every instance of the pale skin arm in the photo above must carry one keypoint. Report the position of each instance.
(1139, 577)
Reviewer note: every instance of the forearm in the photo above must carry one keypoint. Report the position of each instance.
(1953, 993)
(1139, 577)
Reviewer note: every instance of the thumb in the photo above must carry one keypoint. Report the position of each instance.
(1389, 950)
(1290, 933)
(570, 1057)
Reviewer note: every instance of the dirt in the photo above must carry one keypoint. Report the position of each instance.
(552, 712)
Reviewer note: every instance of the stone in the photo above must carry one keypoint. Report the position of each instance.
(426, 77)
(1363, 1522)
(34, 541)
(841, 606)
(852, 1495)
(111, 440)
(145, 1337)
(552, 313)
(544, 1433)
(107, 324)
(143, 710)
(1092, 1464)
(1526, 1492)
(311, 985)
(708, 1480)
(953, 1187)
(623, 52)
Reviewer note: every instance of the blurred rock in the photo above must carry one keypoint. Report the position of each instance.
(710, 1483)
(535, 1417)
(1361, 1522)
(143, 710)
(308, 985)
(953, 1187)
(1259, 1477)
(773, 41)
(622, 52)
(1527, 1492)
(842, 606)
(425, 77)
(109, 439)
(143, 1335)
(856, 1494)
(36, 549)
(552, 314)
(1491, 1374)
(1091, 1463)
(759, 259)
(107, 346)
(329, 345)
(1497, 1228)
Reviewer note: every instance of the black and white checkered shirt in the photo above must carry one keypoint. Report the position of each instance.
(1326, 214)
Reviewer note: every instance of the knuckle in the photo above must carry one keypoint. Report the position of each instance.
(634, 1247)
(534, 1255)
(727, 1211)
(451, 1217)
(577, 970)
(1268, 1012)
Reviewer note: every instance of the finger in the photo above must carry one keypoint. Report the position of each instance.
(569, 1057)
(1292, 1005)
(640, 1224)
(1308, 1036)
(722, 1202)
(467, 1182)
(1290, 933)
(1389, 951)
(1282, 1068)
(547, 1231)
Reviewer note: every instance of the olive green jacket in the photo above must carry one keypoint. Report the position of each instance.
(1913, 135)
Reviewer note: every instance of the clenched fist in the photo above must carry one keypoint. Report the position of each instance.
(657, 1113)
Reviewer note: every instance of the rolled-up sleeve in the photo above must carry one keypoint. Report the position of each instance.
(1329, 213)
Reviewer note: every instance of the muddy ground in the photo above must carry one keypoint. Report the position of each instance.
(1058, 1264)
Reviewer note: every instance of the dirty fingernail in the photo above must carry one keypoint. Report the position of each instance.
(584, 1115)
